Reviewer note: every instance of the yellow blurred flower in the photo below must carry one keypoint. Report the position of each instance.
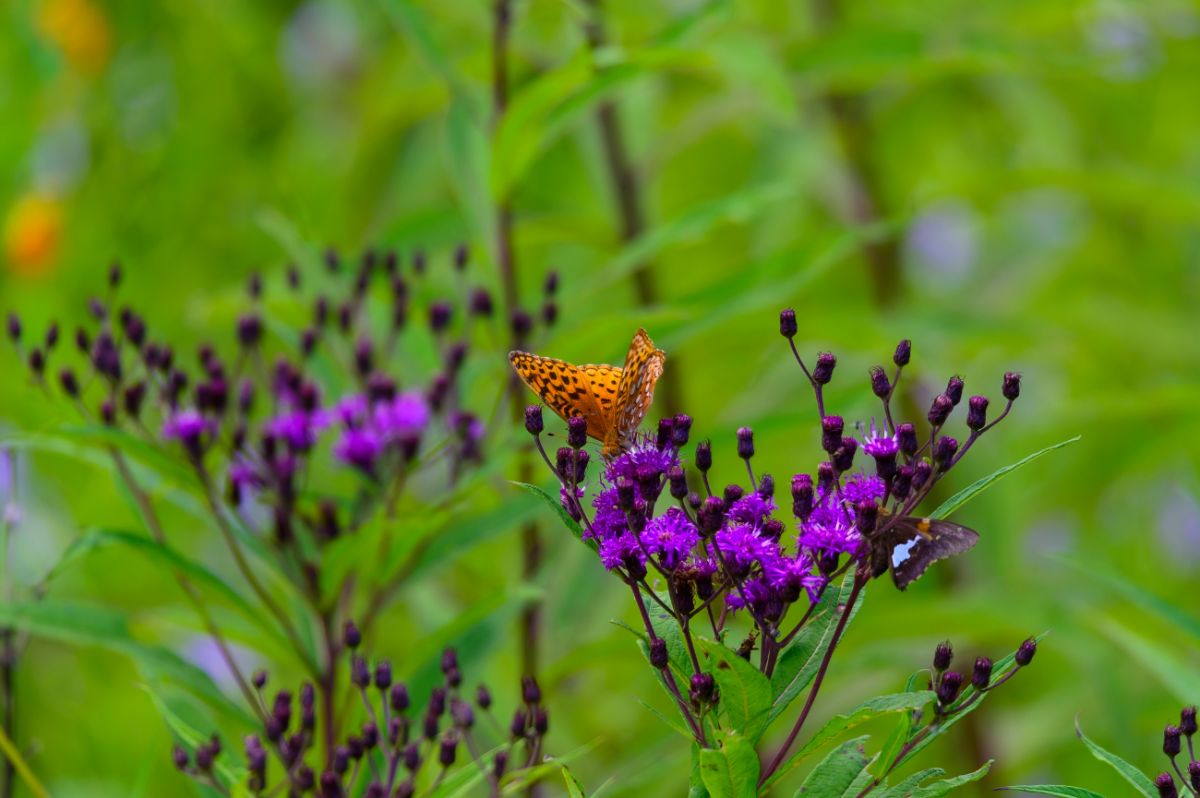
(32, 233)
(80, 29)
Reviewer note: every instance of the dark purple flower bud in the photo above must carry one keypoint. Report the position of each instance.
(429, 725)
(293, 277)
(625, 493)
(341, 760)
(360, 673)
(418, 261)
(1171, 741)
(132, 398)
(531, 693)
(439, 316)
(308, 342)
(541, 721)
(787, 323)
(483, 697)
(1012, 385)
(499, 763)
(1187, 720)
(843, 458)
(773, 529)
(398, 697)
(977, 412)
(550, 285)
(82, 342)
(533, 419)
(332, 262)
(454, 677)
(364, 356)
(678, 480)
(249, 330)
(180, 757)
(902, 482)
(694, 501)
(681, 430)
(866, 513)
(948, 687)
(351, 636)
(1166, 786)
(345, 316)
(658, 653)
(114, 274)
(521, 324)
(944, 450)
(943, 655)
(732, 493)
(981, 677)
(447, 749)
(906, 439)
(481, 303)
(383, 674)
(802, 496)
(703, 688)
(37, 362)
(665, 426)
(412, 756)
(108, 413)
(921, 473)
(826, 477)
(437, 700)
(259, 679)
(462, 714)
(954, 389)
(823, 371)
(1025, 653)
(766, 486)
(745, 443)
(97, 309)
(370, 735)
(903, 353)
(549, 313)
(1194, 774)
(576, 432)
(831, 433)
(711, 514)
(880, 386)
(940, 410)
(519, 722)
(704, 456)
(331, 785)
(52, 335)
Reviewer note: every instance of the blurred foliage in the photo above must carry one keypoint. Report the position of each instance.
(1013, 185)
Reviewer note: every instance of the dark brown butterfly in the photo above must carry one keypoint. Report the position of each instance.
(909, 545)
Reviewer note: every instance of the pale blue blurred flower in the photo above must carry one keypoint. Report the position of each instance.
(1179, 526)
(943, 242)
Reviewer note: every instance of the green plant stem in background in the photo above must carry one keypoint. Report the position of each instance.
(628, 195)
(12, 758)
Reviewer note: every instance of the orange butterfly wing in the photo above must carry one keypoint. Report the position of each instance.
(635, 392)
(589, 391)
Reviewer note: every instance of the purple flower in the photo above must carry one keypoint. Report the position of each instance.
(829, 531)
(296, 428)
(403, 417)
(790, 575)
(615, 551)
(243, 473)
(671, 536)
(359, 448)
(644, 456)
(741, 548)
(879, 442)
(861, 487)
(752, 509)
(608, 520)
(187, 426)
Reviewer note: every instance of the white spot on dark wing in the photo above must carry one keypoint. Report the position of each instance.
(901, 552)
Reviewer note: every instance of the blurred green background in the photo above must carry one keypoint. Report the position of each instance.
(1011, 184)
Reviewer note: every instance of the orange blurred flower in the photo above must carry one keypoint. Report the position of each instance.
(32, 233)
(80, 29)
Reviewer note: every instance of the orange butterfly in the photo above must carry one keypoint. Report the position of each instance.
(612, 400)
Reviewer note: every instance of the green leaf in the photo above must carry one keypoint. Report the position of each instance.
(574, 788)
(867, 710)
(84, 624)
(980, 485)
(97, 539)
(1140, 781)
(732, 771)
(745, 692)
(230, 775)
(899, 736)
(566, 518)
(798, 663)
(1060, 790)
(837, 771)
(696, 787)
(914, 787)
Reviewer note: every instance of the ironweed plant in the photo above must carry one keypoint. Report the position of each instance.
(740, 617)
(396, 752)
(315, 450)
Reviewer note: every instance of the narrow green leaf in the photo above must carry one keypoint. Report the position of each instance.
(868, 710)
(899, 736)
(732, 771)
(980, 485)
(574, 788)
(798, 663)
(696, 788)
(837, 771)
(566, 518)
(1060, 790)
(1140, 781)
(745, 692)
(943, 787)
